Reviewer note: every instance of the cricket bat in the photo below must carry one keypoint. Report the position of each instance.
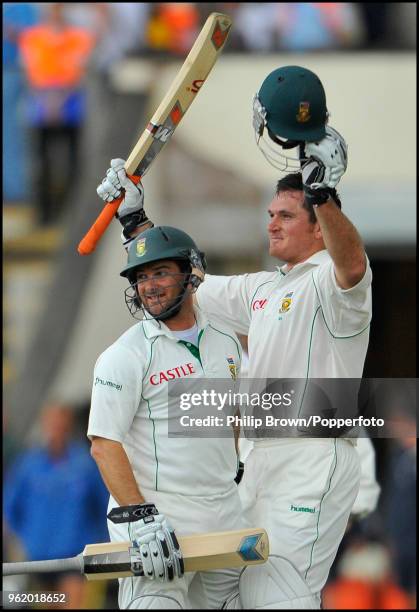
(167, 117)
(201, 552)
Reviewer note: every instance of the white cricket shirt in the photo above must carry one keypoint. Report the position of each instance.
(129, 405)
(300, 324)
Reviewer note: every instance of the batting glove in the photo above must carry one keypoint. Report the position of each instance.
(116, 183)
(155, 539)
(313, 195)
(331, 153)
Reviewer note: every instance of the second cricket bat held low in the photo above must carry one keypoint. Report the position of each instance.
(201, 552)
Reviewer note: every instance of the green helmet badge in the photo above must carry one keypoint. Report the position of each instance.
(140, 248)
(303, 114)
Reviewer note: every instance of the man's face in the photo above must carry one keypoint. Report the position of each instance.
(292, 238)
(159, 284)
(57, 424)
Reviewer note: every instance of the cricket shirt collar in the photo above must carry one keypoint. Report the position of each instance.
(315, 260)
(153, 328)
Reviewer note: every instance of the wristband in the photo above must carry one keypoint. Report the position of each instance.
(130, 514)
(317, 197)
(133, 220)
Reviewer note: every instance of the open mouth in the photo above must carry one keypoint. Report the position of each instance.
(156, 298)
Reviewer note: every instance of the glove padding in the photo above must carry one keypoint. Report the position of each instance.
(111, 187)
(131, 213)
(160, 553)
(312, 172)
(331, 153)
(159, 549)
(315, 196)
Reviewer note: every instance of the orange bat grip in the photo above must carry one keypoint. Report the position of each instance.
(90, 240)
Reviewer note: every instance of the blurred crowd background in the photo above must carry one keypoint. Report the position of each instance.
(77, 83)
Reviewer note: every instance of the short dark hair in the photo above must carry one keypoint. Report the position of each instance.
(294, 182)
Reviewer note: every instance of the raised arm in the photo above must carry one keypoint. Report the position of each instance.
(343, 243)
(326, 163)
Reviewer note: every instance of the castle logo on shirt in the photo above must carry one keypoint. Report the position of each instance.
(178, 372)
(286, 303)
(232, 367)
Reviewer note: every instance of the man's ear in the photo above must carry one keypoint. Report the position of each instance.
(317, 231)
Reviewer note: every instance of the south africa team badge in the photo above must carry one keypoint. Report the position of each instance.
(141, 247)
(286, 303)
(303, 114)
(232, 367)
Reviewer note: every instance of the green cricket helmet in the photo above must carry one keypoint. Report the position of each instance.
(156, 244)
(291, 105)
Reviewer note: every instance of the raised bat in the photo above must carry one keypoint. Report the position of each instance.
(167, 117)
(201, 552)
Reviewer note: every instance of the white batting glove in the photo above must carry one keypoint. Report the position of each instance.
(131, 213)
(331, 153)
(159, 549)
(160, 554)
(111, 188)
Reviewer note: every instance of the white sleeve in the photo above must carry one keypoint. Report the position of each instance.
(346, 311)
(116, 393)
(226, 298)
(369, 489)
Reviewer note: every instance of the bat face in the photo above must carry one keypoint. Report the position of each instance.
(201, 552)
(181, 93)
(161, 126)
(156, 136)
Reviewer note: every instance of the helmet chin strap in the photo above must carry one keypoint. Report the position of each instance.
(169, 313)
(285, 144)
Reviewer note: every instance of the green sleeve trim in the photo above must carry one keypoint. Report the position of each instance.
(253, 296)
(309, 357)
(325, 322)
(311, 340)
(150, 417)
(142, 325)
(149, 360)
(228, 336)
(320, 508)
(154, 442)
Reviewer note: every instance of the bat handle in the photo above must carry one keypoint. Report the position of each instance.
(41, 567)
(88, 243)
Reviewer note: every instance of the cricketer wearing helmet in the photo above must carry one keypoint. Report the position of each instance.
(160, 485)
